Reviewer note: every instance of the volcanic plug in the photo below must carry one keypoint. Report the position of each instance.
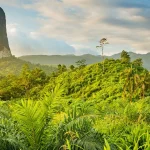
(4, 45)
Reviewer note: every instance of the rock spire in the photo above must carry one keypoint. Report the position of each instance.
(4, 45)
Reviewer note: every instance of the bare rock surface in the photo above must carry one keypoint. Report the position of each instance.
(4, 45)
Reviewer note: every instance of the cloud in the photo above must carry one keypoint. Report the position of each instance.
(12, 29)
(80, 24)
(86, 21)
(24, 43)
(14, 3)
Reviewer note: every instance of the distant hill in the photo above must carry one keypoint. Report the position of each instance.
(71, 59)
(145, 58)
(12, 65)
(83, 82)
(60, 59)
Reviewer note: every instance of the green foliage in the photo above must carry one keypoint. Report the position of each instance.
(90, 82)
(81, 63)
(76, 131)
(10, 136)
(61, 68)
(27, 84)
(31, 121)
(125, 58)
(71, 59)
(137, 62)
(76, 109)
(72, 67)
(13, 65)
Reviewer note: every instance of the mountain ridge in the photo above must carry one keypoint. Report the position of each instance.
(71, 59)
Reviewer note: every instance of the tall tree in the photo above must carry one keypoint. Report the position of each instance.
(102, 42)
(131, 82)
(144, 83)
(81, 63)
(137, 62)
(125, 58)
(71, 67)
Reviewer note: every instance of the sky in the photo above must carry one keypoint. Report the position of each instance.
(59, 27)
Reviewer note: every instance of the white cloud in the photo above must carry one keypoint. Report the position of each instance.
(15, 3)
(79, 46)
(12, 29)
(30, 43)
(87, 24)
(82, 23)
(34, 35)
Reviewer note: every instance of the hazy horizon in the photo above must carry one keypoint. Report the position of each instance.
(80, 54)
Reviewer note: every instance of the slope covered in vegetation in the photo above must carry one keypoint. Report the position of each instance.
(13, 65)
(92, 82)
(77, 108)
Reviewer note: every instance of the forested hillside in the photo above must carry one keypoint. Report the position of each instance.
(13, 65)
(102, 106)
(90, 59)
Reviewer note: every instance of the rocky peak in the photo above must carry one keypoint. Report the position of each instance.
(4, 46)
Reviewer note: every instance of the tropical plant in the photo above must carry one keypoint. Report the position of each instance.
(125, 58)
(137, 62)
(31, 118)
(130, 82)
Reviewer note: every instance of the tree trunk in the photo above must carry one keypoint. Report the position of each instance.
(103, 57)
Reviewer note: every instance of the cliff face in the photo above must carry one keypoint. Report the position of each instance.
(4, 46)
